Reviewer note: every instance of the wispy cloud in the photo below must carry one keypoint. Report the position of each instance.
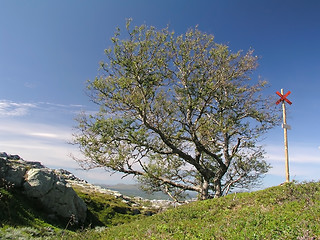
(41, 142)
(42, 131)
(13, 109)
(61, 106)
(45, 135)
(51, 154)
(20, 129)
(73, 109)
(9, 108)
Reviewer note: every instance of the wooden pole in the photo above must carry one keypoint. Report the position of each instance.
(285, 139)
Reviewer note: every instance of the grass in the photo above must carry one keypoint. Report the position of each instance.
(107, 210)
(17, 210)
(290, 211)
(21, 218)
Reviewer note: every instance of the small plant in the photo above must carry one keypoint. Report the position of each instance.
(5, 184)
(71, 221)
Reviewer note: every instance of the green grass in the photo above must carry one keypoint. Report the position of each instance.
(290, 211)
(21, 218)
(106, 210)
(17, 210)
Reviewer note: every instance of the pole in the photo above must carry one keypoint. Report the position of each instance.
(285, 139)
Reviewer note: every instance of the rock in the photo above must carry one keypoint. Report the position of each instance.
(117, 194)
(38, 182)
(14, 157)
(148, 213)
(43, 184)
(53, 190)
(54, 193)
(136, 211)
(12, 173)
(3, 155)
(15, 175)
(35, 164)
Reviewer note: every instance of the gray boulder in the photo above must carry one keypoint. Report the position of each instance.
(3, 155)
(43, 184)
(54, 193)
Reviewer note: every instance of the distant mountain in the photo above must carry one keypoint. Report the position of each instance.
(133, 190)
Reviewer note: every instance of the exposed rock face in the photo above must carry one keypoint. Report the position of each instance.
(41, 183)
(54, 193)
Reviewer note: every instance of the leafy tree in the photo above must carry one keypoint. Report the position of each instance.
(178, 113)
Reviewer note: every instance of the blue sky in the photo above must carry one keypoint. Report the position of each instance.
(49, 49)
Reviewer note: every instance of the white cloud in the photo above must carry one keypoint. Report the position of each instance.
(41, 132)
(56, 105)
(53, 155)
(14, 109)
(19, 129)
(33, 138)
(9, 108)
(37, 142)
(45, 135)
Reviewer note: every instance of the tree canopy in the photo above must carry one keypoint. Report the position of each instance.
(178, 112)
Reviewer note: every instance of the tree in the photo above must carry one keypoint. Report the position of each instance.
(177, 112)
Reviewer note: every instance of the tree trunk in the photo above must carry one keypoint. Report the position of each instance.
(204, 194)
(217, 188)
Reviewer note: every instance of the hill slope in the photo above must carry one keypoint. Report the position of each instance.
(290, 211)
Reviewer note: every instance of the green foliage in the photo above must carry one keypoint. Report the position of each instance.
(179, 112)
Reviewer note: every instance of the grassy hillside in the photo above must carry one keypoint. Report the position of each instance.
(106, 210)
(290, 211)
(17, 210)
(23, 218)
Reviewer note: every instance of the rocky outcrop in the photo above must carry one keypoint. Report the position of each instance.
(53, 188)
(54, 193)
(36, 181)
